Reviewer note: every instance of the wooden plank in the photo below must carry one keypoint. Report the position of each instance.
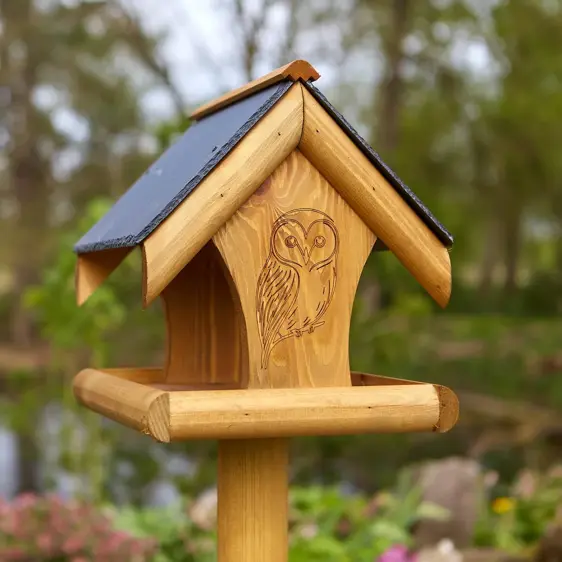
(182, 235)
(296, 70)
(266, 413)
(134, 405)
(206, 341)
(142, 375)
(197, 386)
(253, 500)
(94, 268)
(306, 342)
(370, 195)
(448, 400)
(366, 379)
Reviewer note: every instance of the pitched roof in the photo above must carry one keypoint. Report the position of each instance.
(179, 170)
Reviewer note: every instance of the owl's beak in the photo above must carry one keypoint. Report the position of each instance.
(306, 255)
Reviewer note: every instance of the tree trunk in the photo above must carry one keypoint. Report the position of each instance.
(392, 87)
(28, 461)
(29, 180)
(28, 171)
(512, 247)
(490, 257)
(387, 105)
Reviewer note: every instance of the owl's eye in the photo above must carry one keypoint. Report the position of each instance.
(320, 241)
(290, 241)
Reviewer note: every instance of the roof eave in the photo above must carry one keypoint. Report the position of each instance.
(94, 268)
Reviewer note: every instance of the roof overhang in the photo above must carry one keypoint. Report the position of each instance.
(93, 268)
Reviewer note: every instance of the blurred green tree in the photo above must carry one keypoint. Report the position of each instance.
(72, 77)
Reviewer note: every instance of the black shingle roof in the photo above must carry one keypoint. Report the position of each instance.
(177, 173)
(181, 168)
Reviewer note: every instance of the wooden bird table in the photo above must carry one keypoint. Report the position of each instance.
(254, 229)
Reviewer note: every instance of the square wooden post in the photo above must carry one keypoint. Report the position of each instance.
(253, 500)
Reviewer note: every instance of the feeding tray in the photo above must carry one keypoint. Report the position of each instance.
(141, 400)
(254, 227)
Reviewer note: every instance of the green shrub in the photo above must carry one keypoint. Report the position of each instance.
(517, 521)
(178, 538)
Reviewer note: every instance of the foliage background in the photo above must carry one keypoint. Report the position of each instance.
(462, 98)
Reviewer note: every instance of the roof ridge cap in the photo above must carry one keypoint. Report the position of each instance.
(298, 69)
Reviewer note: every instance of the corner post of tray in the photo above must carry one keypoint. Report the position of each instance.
(254, 228)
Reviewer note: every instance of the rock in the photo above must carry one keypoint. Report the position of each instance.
(550, 546)
(444, 551)
(203, 511)
(456, 484)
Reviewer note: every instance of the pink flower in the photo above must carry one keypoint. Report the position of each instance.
(73, 545)
(12, 554)
(26, 500)
(45, 542)
(397, 553)
(47, 527)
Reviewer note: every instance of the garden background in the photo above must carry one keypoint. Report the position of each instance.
(463, 98)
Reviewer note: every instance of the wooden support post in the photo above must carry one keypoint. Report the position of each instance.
(253, 500)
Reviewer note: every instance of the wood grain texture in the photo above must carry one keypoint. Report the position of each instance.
(253, 501)
(206, 340)
(155, 377)
(266, 413)
(295, 251)
(448, 409)
(448, 400)
(182, 235)
(366, 379)
(196, 386)
(134, 405)
(298, 69)
(380, 406)
(349, 171)
(94, 268)
(142, 375)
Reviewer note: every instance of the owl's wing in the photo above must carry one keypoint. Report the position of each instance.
(328, 291)
(277, 290)
(325, 298)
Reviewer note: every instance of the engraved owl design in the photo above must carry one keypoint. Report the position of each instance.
(298, 279)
